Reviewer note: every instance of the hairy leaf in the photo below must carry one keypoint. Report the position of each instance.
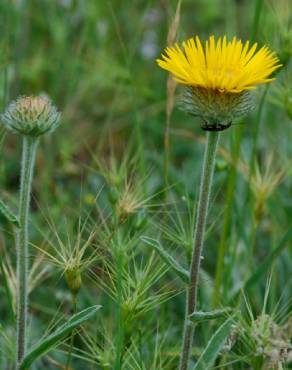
(200, 316)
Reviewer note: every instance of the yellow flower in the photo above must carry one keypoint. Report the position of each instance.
(225, 67)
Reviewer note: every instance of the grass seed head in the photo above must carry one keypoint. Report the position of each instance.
(73, 255)
(263, 184)
(130, 200)
(263, 181)
(38, 272)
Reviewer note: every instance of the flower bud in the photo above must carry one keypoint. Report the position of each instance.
(31, 116)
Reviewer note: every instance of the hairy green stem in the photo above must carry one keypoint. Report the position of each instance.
(202, 210)
(27, 166)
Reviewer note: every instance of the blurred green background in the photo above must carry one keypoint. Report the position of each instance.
(96, 60)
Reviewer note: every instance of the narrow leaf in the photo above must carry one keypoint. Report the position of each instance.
(214, 346)
(8, 214)
(201, 316)
(168, 259)
(54, 339)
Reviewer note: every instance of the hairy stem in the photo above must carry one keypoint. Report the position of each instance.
(27, 166)
(203, 202)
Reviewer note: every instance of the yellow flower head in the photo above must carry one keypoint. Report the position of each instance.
(218, 77)
(226, 67)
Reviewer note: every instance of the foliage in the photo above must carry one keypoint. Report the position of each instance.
(107, 200)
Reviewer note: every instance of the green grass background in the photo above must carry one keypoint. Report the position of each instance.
(96, 60)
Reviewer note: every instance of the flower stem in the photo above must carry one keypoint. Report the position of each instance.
(27, 166)
(203, 202)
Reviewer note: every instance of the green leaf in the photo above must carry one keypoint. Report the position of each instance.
(8, 214)
(168, 259)
(214, 346)
(54, 339)
(200, 316)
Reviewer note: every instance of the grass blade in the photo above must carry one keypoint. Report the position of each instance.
(8, 214)
(53, 339)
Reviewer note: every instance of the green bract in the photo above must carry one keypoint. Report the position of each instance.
(31, 116)
(217, 110)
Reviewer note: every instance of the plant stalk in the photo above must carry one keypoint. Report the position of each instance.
(203, 203)
(74, 306)
(119, 314)
(27, 166)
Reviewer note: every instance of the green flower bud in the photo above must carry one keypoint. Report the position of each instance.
(31, 116)
(73, 279)
(217, 110)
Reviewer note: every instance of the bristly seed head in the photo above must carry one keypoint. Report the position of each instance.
(31, 116)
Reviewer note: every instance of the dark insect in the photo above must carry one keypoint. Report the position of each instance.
(215, 127)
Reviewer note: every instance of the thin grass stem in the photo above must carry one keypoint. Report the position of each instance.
(74, 306)
(119, 315)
